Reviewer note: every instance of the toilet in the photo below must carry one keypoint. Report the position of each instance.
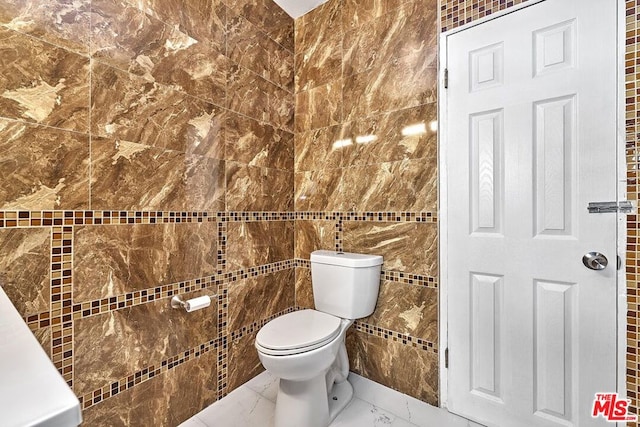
(306, 349)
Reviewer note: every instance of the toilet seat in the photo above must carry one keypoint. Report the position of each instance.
(297, 332)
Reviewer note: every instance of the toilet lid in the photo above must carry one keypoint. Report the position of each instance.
(298, 330)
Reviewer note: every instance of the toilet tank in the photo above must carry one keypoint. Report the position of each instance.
(345, 284)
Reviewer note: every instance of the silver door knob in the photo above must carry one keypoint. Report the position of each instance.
(595, 261)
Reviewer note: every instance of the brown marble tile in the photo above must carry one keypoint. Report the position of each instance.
(133, 109)
(135, 177)
(43, 168)
(24, 268)
(358, 12)
(257, 143)
(253, 96)
(398, 366)
(390, 144)
(43, 83)
(248, 46)
(304, 288)
(320, 64)
(142, 335)
(312, 235)
(61, 22)
(381, 90)
(319, 190)
(243, 363)
(406, 246)
(127, 38)
(123, 35)
(408, 309)
(251, 188)
(116, 259)
(257, 298)
(251, 244)
(197, 69)
(408, 185)
(318, 25)
(318, 149)
(165, 400)
(204, 21)
(319, 107)
(408, 30)
(269, 17)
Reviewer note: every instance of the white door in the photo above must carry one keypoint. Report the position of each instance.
(531, 140)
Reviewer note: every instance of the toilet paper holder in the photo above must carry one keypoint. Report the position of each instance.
(178, 302)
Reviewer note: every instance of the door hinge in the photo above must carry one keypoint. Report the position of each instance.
(446, 357)
(606, 207)
(446, 78)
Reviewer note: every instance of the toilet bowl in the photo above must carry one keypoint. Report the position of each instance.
(304, 373)
(306, 349)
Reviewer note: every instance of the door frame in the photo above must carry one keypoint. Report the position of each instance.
(621, 236)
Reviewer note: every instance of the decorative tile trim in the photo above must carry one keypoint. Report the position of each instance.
(257, 216)
(395, 336)
(222, 367)
(327, 216)
(260, 270)
(632, 134)
(340, 236)
(38, 321)
(391, 216)
(454, 13)
(22, 219)
(112, 389)
(304, 263)
(410, 279)
(144, 296)
(61, 300)
(10, 219)
(132, 299)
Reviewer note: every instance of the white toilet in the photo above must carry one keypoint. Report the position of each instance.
(306, 349)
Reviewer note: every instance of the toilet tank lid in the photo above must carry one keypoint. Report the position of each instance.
(345, 259)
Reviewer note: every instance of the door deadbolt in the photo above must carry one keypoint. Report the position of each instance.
(595, 261)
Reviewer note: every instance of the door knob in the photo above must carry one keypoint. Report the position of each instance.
(595, 261)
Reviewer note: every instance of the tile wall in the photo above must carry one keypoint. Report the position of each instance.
(363, 186)
(148, 151)
(632, 113)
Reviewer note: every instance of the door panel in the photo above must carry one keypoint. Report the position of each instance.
(531, 140)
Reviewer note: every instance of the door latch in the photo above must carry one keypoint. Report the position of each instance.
(606, 207)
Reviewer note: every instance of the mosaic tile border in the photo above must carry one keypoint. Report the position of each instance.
(131, 299)
(388, 334)
(53, 218)
(61, 296)
(632, 134)
(112, 389)
(454, 13)
(63, 311)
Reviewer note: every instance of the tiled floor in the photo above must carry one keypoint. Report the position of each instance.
(252, 405)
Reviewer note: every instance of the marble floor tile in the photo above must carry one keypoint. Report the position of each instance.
(373, 405)
(363, 414)
(265, 384)
(242, 407)
(193, 422)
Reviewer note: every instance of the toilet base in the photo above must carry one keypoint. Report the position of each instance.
(340, 397)
(305, 403)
